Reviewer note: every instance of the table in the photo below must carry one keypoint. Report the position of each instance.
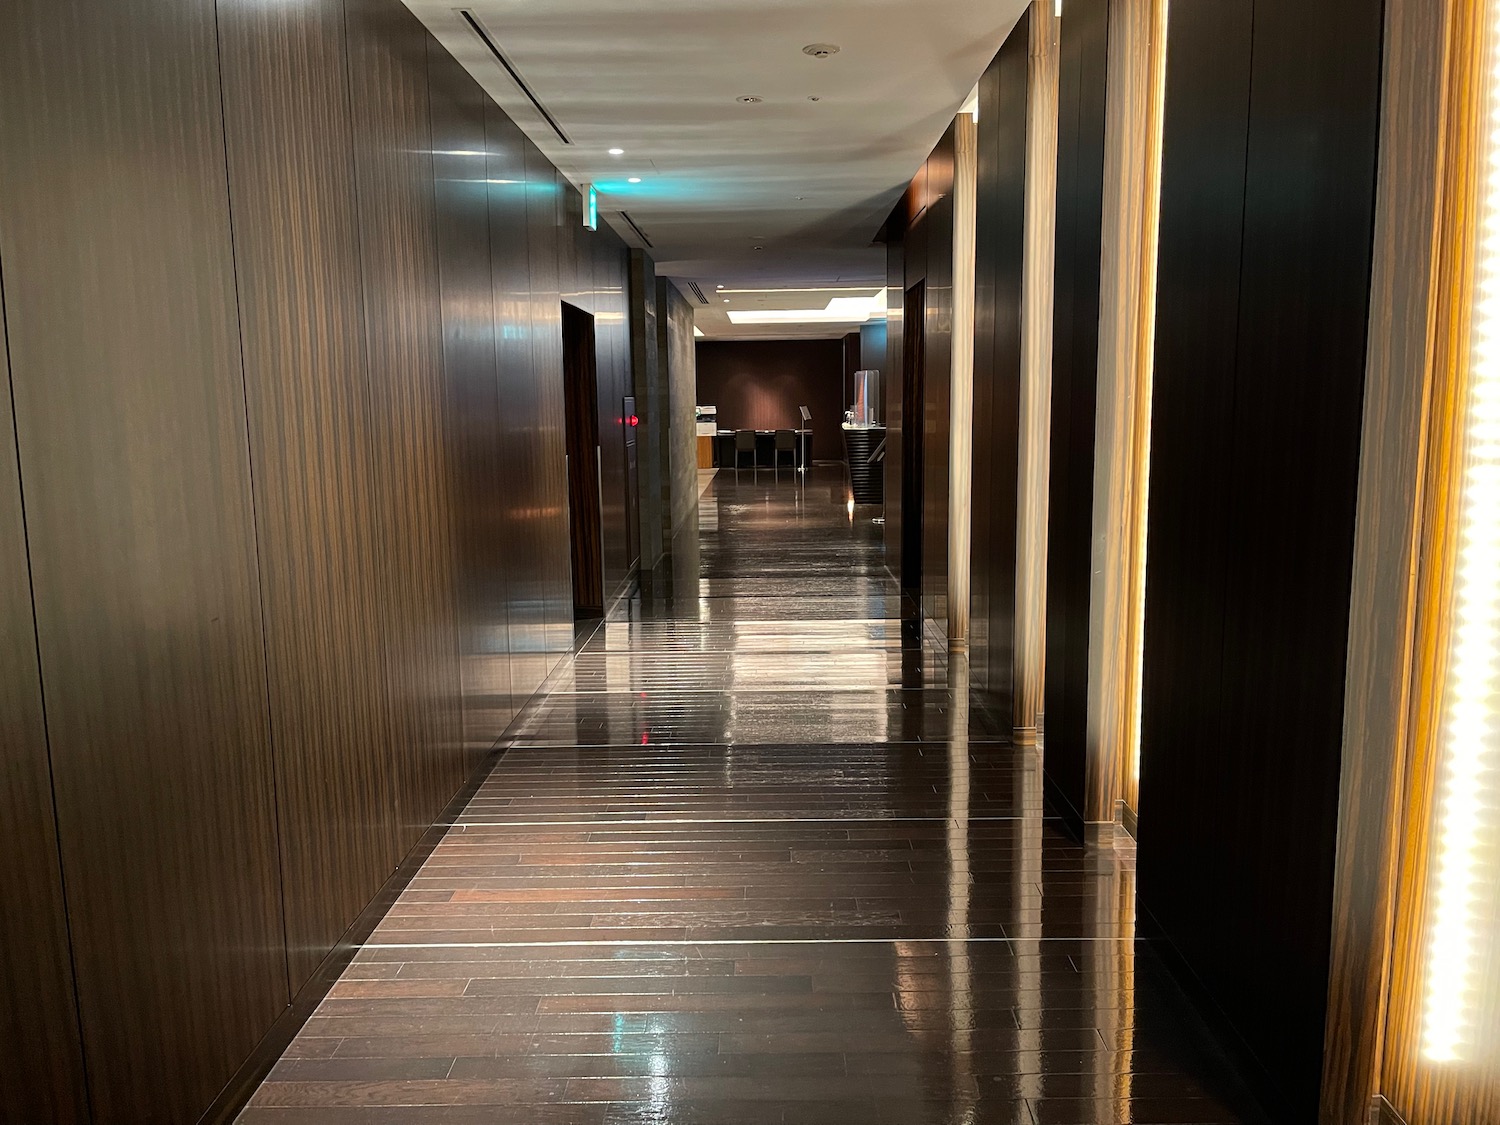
(765, 448)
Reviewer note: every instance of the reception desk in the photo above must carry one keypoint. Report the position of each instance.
(866, 480)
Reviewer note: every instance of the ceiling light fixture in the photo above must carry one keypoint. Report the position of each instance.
(635, 179)
(617, 152)
(750, 99)
(840, 310)
(821, 50)
(810, 289)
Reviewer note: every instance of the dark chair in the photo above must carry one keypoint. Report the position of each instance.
(744, 442)
(786, 443)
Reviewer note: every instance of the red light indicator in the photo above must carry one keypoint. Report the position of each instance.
(645, 738)
(634, 420)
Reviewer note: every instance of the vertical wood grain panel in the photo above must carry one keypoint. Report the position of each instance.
(937, 378)
(404, 335)
(1121, 441)
(1000, 226)
(1083, 67)
(545, 208)
(1387, 530)
(510, 263)
(612, 336)
(291, 176)
(41, 1055)
(961, 403)
(1265, 241)
(1039, 260)
(987, 172)
(129, 412)
(472, 376)
(1463, 1089)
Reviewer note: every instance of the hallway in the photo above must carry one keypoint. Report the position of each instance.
(752, 860)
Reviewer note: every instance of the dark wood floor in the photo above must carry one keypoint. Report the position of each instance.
(755, 860)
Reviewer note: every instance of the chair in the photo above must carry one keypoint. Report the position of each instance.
(744, 442)
(786, 443)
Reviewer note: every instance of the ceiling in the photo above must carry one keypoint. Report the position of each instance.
(785, 192)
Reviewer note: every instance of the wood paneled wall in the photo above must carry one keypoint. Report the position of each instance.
(38, 1009)
(679, 356)
(1132, 155)
(289, 438)
(961, 404)
(919, 240)
(1082, 80)
(1000, 257)
(130, 424)
(1383, 612)
(1263, 300)
(1034, 440)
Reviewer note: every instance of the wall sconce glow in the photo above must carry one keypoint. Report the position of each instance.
(1468, 758)
(590, 207)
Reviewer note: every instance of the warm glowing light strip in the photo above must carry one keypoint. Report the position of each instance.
(1144, 384)
(1470, 737)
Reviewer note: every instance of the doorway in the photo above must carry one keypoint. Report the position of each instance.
(581, 403)
(913, 428)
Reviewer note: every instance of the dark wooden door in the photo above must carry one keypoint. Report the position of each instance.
(913, 424)
(580, 389)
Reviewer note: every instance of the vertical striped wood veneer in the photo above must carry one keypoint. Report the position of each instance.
(1036, 367)
(1137, 59)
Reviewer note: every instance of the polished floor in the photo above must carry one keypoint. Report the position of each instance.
(754, 859)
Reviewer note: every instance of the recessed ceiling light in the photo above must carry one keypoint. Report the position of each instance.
(635, 179)
(760, 247)
(617, 152)
(750, 99)
(726, 300)
(821, 50)
(814, 98)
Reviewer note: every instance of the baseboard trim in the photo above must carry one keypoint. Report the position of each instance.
(252, 1072)
(1127, 818)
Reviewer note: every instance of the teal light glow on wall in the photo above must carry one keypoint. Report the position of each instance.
(590, 207)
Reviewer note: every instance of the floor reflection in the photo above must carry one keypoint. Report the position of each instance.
(757, 858)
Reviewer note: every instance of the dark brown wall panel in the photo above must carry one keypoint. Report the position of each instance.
(404, 333)
(41, 1057)
(1250, 562)
(759, 384)
(291, 178)
(937, 381)
(510, 264)
(1000, 237)
(1083, 54)
(611, 325)
(129, 405)
(545, 209)
(474, 415)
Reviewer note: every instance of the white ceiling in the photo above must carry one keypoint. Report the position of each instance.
(808, 182)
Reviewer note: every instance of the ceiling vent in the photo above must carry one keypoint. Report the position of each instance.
(485, 38)
(697, 292)
(821, 50)
(639, 233)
